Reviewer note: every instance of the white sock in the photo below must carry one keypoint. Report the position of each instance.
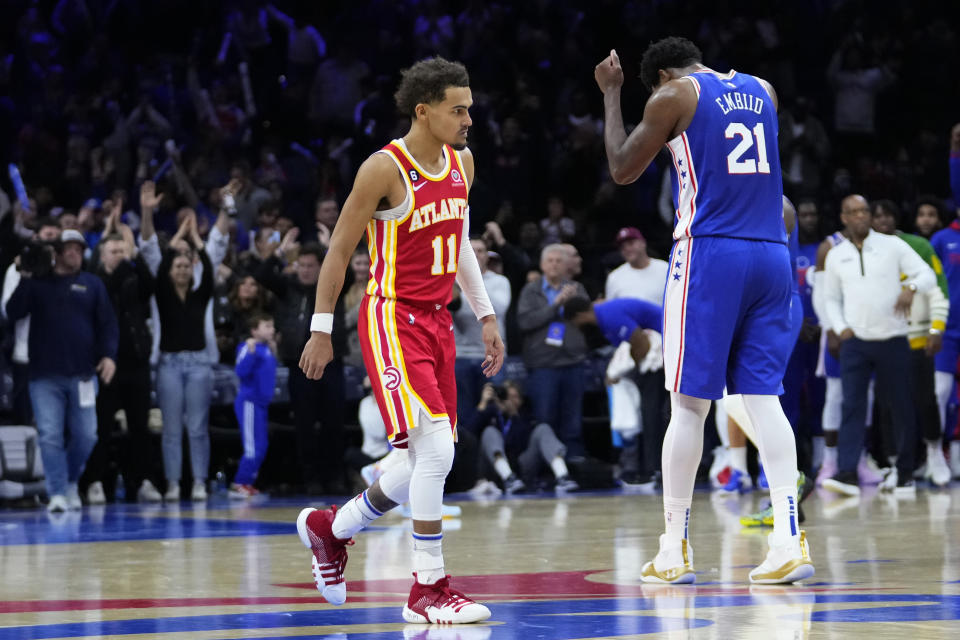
(738, 458)
(676, 517)
(943, 385)
(830, 455)
(934, 452)
(354, 516)
(559, 467)
(833, 405)
(784, 502)
(428, 557)
(817, 453)
(682, 450)
(502, 467)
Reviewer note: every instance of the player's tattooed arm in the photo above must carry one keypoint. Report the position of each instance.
(629, 156)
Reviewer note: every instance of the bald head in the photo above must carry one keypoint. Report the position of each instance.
(853, 202)
(855, 215)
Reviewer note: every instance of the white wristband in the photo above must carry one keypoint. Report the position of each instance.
(322, 322)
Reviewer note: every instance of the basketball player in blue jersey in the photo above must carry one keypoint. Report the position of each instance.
(726, 318)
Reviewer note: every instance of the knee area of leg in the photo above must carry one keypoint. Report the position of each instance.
(688, 404)
(433, 454)
(757, 403)
(541, 428)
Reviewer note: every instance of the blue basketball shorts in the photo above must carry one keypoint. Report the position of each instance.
(727, 317)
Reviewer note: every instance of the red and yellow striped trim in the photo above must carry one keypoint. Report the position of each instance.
(403, 403)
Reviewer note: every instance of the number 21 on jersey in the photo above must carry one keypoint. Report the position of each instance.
(735, 164)
(452, 254)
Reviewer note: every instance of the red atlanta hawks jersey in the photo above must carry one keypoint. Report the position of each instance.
(415, 247)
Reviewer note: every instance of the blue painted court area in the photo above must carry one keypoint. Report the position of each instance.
(122, 523)
(556, 619)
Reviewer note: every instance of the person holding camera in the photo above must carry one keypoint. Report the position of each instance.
(73, 338)
(506, 437)
(37, 256)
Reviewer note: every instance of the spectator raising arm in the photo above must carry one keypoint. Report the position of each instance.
(218, 242)
(149, 245)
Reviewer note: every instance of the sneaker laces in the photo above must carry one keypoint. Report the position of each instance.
(334, 555)
(337, 563)
(447, 596)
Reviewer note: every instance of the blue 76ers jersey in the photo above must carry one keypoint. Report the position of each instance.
(726, 179)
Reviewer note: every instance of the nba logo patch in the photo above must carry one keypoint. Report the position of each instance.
(456, 176)
(414, 176)
(392, 378)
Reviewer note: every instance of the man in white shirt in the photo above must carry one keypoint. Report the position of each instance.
(868, 306)
(640, 276)
(468, 335)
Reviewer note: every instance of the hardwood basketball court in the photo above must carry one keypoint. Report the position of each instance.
(554, 568)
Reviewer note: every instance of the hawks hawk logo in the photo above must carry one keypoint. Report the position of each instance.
(392, 378)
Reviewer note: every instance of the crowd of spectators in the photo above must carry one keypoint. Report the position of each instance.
(202, 151)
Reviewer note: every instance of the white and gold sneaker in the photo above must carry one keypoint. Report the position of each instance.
(672, 565)
(787, 561)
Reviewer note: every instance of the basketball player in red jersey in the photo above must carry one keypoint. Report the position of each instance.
(411, 198)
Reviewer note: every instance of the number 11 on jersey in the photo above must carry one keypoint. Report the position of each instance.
(452, 254)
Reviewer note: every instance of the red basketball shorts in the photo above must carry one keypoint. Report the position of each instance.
(409, 353)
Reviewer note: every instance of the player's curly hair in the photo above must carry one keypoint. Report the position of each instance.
(427, 81)
(673, 52)
(934, 202)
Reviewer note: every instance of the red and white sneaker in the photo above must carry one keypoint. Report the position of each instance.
(315, 529)
(439, 604)
(242, 491)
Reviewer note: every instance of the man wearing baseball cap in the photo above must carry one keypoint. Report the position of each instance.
(643, 277)
(73, 337)
(640, 276)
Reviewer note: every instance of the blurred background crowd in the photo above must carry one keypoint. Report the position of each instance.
(214, 142)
